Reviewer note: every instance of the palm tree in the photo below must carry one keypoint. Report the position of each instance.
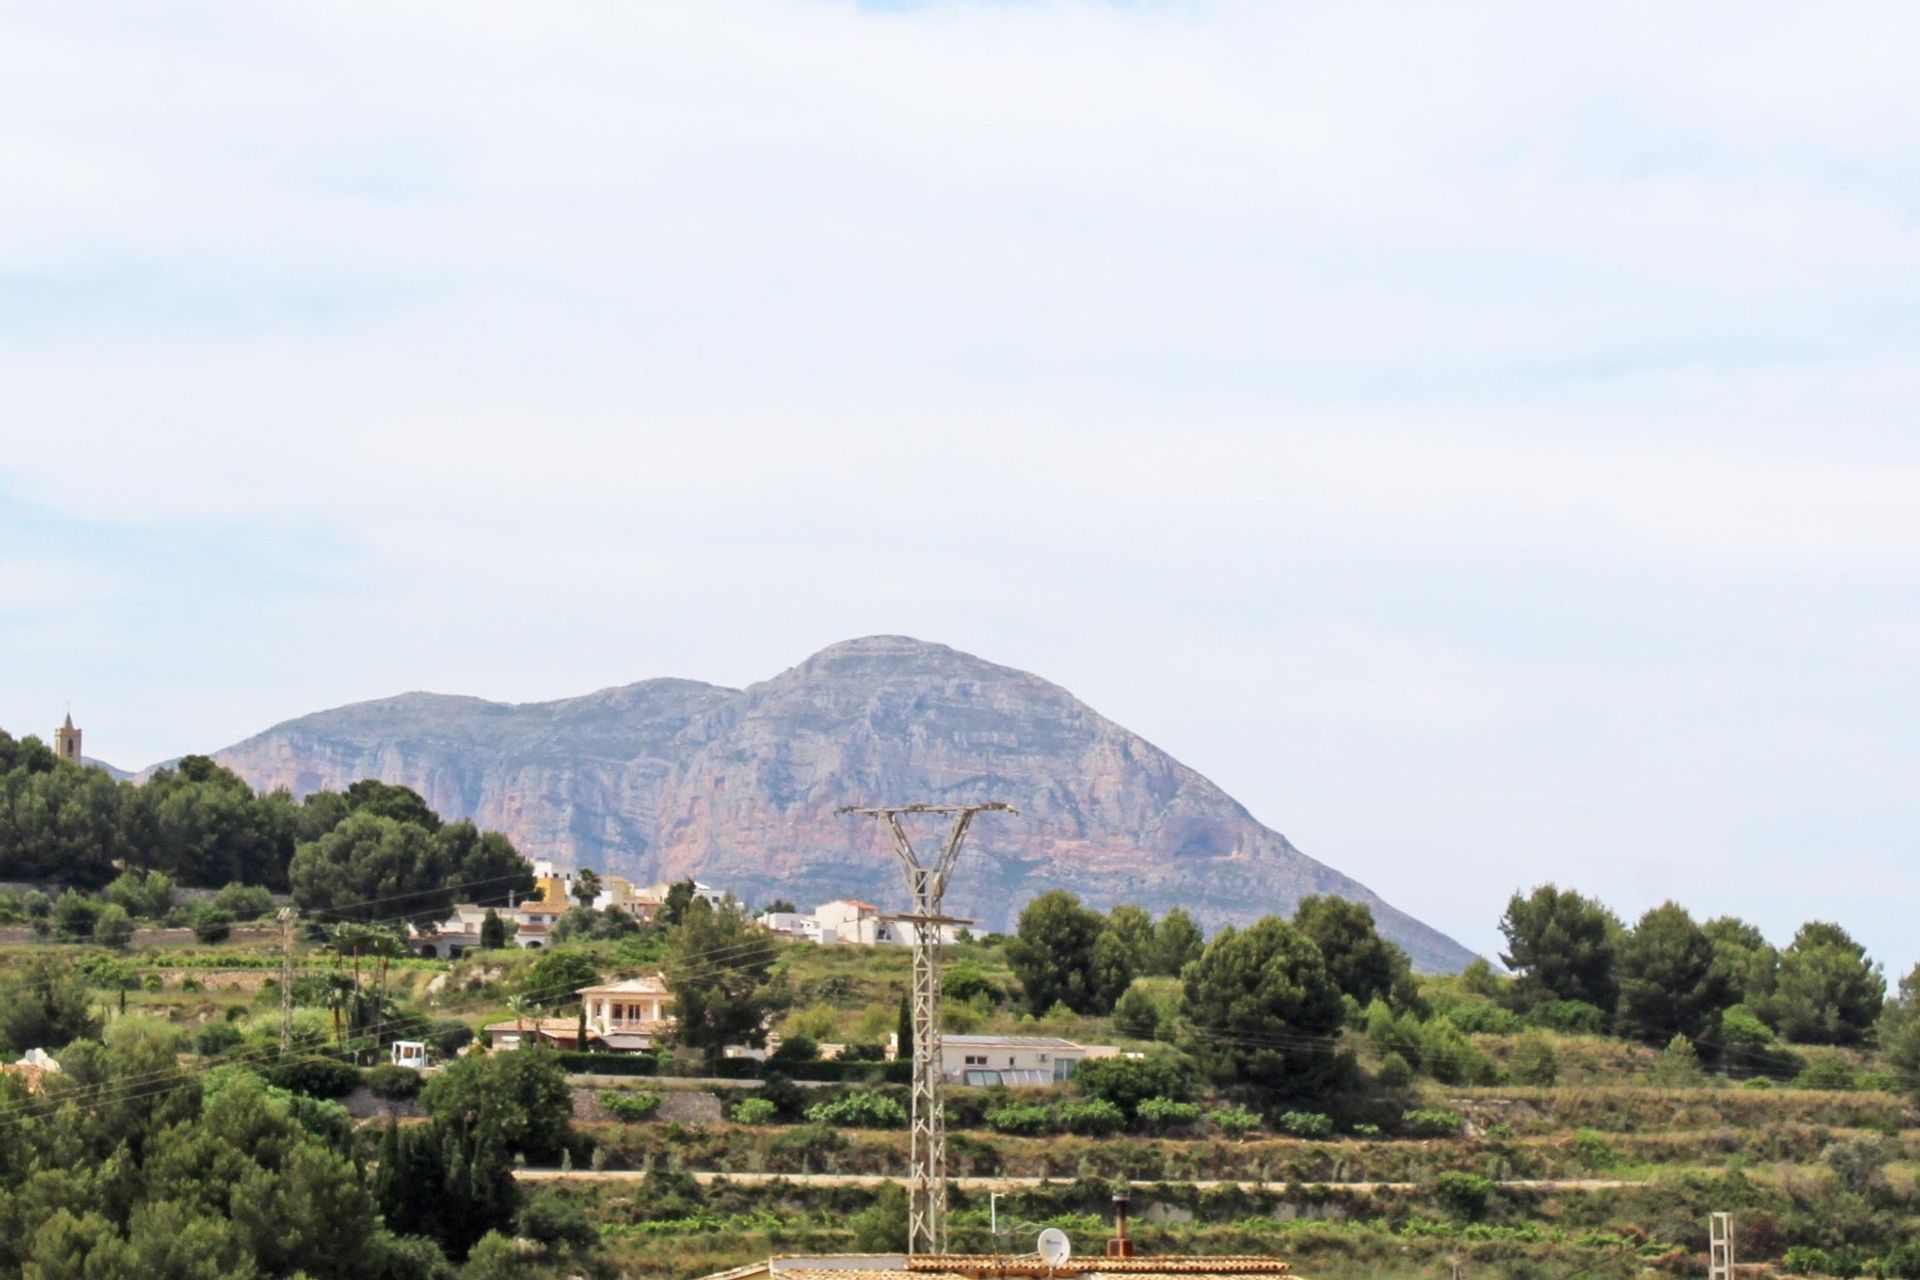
(586, 886)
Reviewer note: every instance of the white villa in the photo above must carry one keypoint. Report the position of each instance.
(1011, 1060)
(461, 930)
(848, 922)
(630, 1016)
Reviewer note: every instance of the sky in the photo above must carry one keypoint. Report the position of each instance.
(1481, 438)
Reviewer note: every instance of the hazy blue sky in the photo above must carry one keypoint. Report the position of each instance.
(1483, 440)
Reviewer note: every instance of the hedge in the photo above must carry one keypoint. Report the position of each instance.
(609, 1064)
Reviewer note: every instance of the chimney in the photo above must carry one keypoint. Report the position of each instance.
(1120, 1246)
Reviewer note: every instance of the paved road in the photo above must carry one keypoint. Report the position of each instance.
(706, 1177)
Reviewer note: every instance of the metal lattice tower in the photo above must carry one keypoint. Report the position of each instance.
(927, 886)
(1720, 1246)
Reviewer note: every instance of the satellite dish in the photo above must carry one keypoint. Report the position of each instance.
(1054, 1248)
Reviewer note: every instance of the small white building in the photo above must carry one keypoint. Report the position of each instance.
(461, 931)
(1013, 1060)
(791, 924)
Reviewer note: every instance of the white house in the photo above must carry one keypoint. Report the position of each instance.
(791, 924)
(629, 1016)
(1012, 1060)
(461, 930)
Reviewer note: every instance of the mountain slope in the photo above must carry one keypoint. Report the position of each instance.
(669, 778)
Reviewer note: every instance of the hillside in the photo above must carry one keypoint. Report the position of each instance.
(669, 778)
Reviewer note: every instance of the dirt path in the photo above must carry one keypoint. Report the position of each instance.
(707, 1177)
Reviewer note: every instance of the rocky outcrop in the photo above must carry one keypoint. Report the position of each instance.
(670, 778)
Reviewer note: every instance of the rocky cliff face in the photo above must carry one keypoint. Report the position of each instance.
(671, 778)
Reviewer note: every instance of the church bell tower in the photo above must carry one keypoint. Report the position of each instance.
(66, 741)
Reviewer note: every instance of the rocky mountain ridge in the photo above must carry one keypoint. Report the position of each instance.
(668, 778)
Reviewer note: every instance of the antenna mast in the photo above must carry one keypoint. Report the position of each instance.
(926, 887)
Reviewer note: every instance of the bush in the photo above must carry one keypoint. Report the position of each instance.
(1235, 1121)
(1167, 1112)
(1020, 1119)
(861, 1110)
(448, 1037)
(631, 1107)
(1095, 1116)
(556, 1221)
(1592, 1151)
(243, 901)
(1431, 1122)
(1450, 1058)
(795, 1049)
(216, 1038)
(148, 896)
(114, 928)
(754, 1111)
(1483, 1017)
(393, 1083)
(1828, 1073)
(609, 1064)
(1463, 1195)
(1571, 1017)
(211, 925)
(1305, 1124)
(316, 1077)
(1395, 1072)
(1127, 1082)
(1806, 1260)
(1534, 1061)
(1137, 1014)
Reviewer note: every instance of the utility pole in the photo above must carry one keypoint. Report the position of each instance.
(1720, 1246)
(286, 980)
(927, 887)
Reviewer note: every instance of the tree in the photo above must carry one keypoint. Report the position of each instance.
(717, 965)
(484, 865)
(586, 887)
(779, 906)
(1111, 969)
(1361, 963)
(1900, 1032)
(493, 931)
(557, 977)
(385, 800)
(1053, 954)
(520, 1098)
(1132, 927)
(1743, 956)
(1670, 982)
(1177, 941)
(372, 867)
(147, 896)
(1127, 1082)
(1562, 946)
(680, 895)
(903, 1029)
(1827, 991)
(1260, 1009)
(1137, 1014)
(114, 928)
(73, 916)
(43, 1005)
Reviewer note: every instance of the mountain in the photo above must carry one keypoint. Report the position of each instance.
(670, 778)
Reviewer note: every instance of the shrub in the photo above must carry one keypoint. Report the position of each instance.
(1395, 1072)
(1017, 1118)
(1534, 1061)
(243, 901)
(1136, 1014)
(796, 1048)
(1572, 1017)
(754, 1111)
(315, 1077)
(1483, 1017)
(1167, 1112)
(1806, 1260)
(1305, 1124)
(556, 1221)
(1234, 1121)
(1463, 1195)
(216, 1038)
(211, 925)
(1127, 1082)
(114, 928)
(632, 1107)
(1366, 1131)
(393, 1083)
(148, 896)
(1592, 1151)
(1431, 1122)
(1094, 1116)
(449, 1036)
(1449, 1057)
(860, 1109)
(1828, 1073)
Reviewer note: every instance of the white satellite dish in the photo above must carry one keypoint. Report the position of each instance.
(1054, 1248)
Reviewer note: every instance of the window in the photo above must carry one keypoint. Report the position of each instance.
(976, 1060)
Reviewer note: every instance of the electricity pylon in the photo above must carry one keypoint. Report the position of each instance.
(927, 886)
